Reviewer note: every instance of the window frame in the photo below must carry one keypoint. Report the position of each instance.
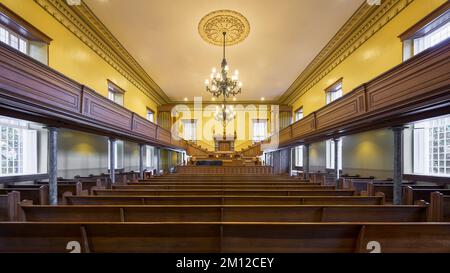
(298, 156)
(153, 115)
(329, 154)
(193, 133)
(119, 157)
(437, 18)
(297, 111)
(260, 138)
(20, 26)
(10, 33)
(426, 150)
(27, 144)
(114, 89)
(333, 89)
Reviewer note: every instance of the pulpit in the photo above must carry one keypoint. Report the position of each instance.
(224, 143)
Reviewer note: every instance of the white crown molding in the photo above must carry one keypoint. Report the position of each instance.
(81, 21)
(363, 24)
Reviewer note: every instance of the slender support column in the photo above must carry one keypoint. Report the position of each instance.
(291, 160)
(141, 160)
(112, 160)
(169, 161)
(336, 159)
(306, 160)
(53, 165)
(398, 164)
(158, 160)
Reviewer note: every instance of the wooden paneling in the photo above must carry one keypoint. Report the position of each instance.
(33, 91)
(285, 134)
(163, 135)
(96, 107)
(26, 79)
(419, 79)
(342, 110)
(305, 126)
(143, 127)
(419, 85)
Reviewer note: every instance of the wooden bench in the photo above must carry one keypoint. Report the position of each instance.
(225, 200)
(36, 193)
(221, 187)
(238, 180)
(413, 195)
(386, 187)
(245, 192)
(228, 183)
(9, 209)
(439, 207)
(227, 213)
(225, 237)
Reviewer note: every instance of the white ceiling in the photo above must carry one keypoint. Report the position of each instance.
(285, 36)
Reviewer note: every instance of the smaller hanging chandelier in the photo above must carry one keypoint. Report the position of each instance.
(225, 114)
(219, 83)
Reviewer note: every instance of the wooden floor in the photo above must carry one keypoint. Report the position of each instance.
(184, 213)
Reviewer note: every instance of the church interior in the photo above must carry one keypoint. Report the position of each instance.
(293, 126)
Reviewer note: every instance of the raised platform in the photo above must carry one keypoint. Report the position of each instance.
(241, 170)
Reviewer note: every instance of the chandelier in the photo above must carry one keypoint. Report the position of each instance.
(225, 113)
(219, 83)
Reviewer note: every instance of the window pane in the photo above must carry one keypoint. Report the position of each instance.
(189, 130)
(431, 149)
(440, 34)
(119, 149)
(299, 156)
(259, 130)
(23, 46)
(18, 148)
(330, 154)
(150, 116)
(14, 41)
(299, 114)
(334, 93)
(4, 35)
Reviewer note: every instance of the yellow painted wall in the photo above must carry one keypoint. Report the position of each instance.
(377, 55)
(70, 56)
(368, 153)
(206, 124)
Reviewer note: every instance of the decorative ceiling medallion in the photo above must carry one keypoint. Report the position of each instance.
(212, 26)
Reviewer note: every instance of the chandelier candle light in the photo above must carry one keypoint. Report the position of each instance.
(220, 83)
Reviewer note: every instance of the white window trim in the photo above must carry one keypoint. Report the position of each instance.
(330, 154)
(259, 130)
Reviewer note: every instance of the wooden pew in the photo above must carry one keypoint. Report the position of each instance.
(413, 195)
(9, 206)
(225, 200)
(226, 183)
(386, 187)
(439, 207)
(221, 187)
(227, 213)
(245, 192)
(184, 237)
(223, 180)
(36, 193)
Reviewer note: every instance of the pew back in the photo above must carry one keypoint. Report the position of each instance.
(225, 200)
(36, 193)
(246, 192)
(250, 237)
(226, 213)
